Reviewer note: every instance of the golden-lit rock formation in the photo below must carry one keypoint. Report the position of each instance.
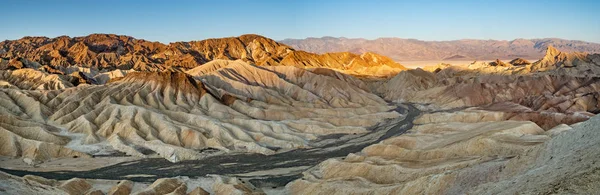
(110, 52)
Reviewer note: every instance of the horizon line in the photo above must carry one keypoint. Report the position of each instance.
(310, 37)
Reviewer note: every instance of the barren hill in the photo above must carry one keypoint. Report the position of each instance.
(110, 52)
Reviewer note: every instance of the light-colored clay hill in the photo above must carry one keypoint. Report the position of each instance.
(546, 92)
(487, 130)
(462, 153)
(237, 107)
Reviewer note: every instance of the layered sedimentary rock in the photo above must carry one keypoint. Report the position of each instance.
(519, 62)
(232, 107)
(487, 130)
(466, 155)
(107, 52)
(368, 63)
(33, 79)
(546, 88)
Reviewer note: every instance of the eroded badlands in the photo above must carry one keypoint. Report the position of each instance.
(260, 117)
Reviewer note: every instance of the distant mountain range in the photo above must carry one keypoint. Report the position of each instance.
(467, 49)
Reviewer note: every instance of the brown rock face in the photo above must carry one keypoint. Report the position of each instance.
(165, 186)
(176, 80)
(40, 180)
(342, 60)
(123, 188)
(108, 51)
(198, 191)
(519, 62)
(75, 186)
(555, 59)
(499, 63)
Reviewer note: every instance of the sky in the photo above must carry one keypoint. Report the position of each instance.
(170, 21)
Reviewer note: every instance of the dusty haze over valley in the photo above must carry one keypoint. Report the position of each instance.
(119, 114)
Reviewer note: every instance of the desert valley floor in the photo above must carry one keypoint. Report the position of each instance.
(111, 114)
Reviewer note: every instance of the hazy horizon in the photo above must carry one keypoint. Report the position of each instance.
(310, 38)
(434, 20)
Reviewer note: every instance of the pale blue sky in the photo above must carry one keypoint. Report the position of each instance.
(169, 21)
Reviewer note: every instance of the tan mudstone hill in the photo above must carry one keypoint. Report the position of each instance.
(225, 105)
(570, 93)
(466, 153)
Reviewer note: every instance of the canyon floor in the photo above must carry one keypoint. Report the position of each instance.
(109, 114)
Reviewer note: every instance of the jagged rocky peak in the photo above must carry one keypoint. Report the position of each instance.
(498, 62)
(109, 51)
(572, 61)
(519, 62)
(112, 52)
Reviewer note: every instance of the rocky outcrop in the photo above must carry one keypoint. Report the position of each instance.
(198, 191)
(519, 62)
(75, 186)
(122, 188)
(228, 185)
(32, 79)
(165, 186)
(108, 52)
(27, 185)
(370, 64)
(556, 59)
(500, 63)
